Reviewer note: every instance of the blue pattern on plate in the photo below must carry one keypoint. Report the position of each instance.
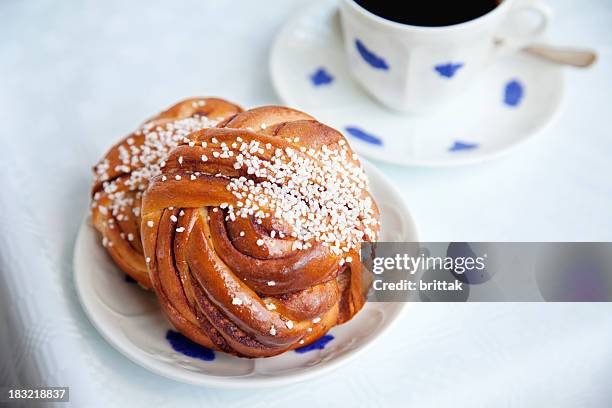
(460, 146)
(316, 345)
(448, 70)
(187, 347)
(471, 275)
(321, 77)
(368, 56)
(129, 279)
(513, 93)
(361, 135)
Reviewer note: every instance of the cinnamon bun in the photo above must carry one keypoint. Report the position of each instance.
(252, 231)
(124, 173)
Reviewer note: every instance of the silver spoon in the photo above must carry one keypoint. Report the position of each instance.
(581, 58)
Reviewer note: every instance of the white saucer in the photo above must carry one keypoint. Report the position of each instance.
(512, 100)
(130, 319)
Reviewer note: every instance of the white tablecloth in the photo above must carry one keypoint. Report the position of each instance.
(77, 75)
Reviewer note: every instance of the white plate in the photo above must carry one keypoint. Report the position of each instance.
(130, 319)
(512, 100)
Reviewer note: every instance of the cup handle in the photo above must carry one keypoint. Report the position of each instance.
(505, 45)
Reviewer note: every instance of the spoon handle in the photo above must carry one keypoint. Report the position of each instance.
(580, 58)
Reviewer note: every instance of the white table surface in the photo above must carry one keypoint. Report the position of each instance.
(77, 75)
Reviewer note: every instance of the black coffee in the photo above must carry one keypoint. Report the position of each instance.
(429, 13)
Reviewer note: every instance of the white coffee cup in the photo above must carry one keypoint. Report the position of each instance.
(418, 69)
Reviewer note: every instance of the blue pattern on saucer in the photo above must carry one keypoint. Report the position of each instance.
(513, 93)
(460, 146)
(187, 347)
(368, 56)
(362, 135)
(315, 345)
(321, 77)
(448, 70)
